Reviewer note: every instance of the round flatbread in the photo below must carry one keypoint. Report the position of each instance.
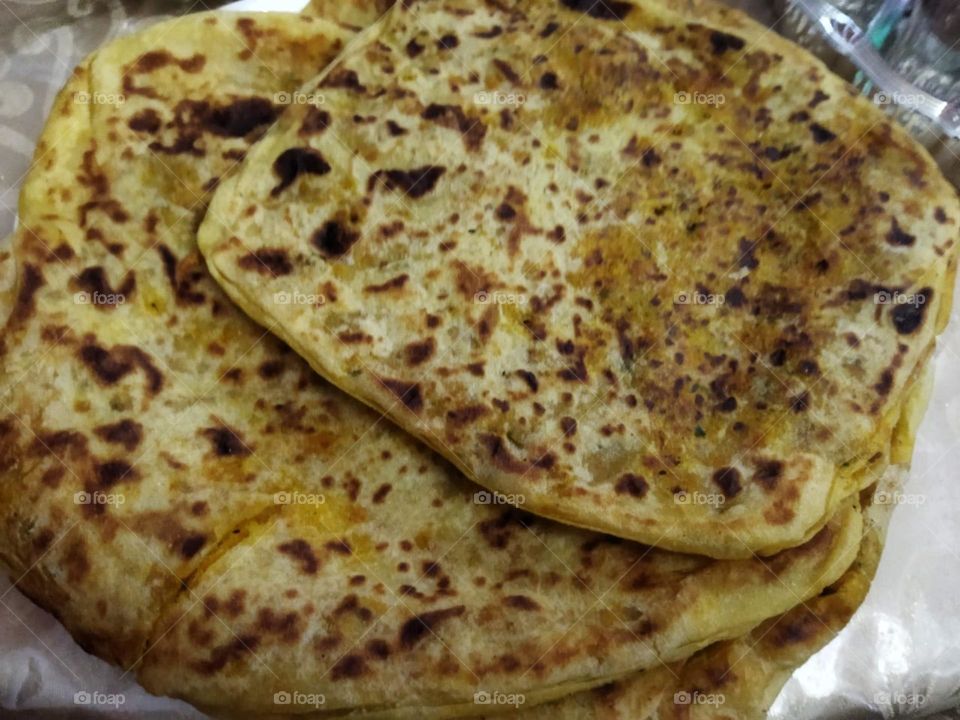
(195, 504)
(667, 278)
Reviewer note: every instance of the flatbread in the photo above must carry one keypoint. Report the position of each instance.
(737, 679)
(424, 642)
(103, 392)
(667, 278)
(195, 504)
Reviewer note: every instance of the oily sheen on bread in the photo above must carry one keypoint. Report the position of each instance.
(605, 255)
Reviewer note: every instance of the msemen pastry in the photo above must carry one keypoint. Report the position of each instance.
(667, 278)
(198, 506)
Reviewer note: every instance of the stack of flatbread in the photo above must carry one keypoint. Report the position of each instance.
(534, 358)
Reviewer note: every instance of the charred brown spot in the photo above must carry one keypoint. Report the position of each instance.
(651, 158)
(223, 655)
(349, 667)
(472, 280)
(267, 261)
(147, 121)
(466, 415)
(747, 254)
(413, 183)
(908, 317)
(633, 485)
(154, 60)
(727, 405)
(354, 338)
(501, 457)
(768, 473)
(286, 625)
(530, 379)
(735, 298)
(448, 42)
(795, 631)
(414, 48)
(381, 493)
(293, 162)
(498, 531)
(333, 240)
(406, 392)
(315, 122)
(51, 477)
(548, 81)
(93, 281)
(192, 545)
(417, 353)
(341, 547)
(43, 540)
(114, 472)
(343, 78)
(576, 369)
(244, 118)
(600, 9)
(184, 275)
(818, 97)
(452, 117)
(775, 154)
(800, 403)
(721, 42)
(226, 441)
(493, 32)
(508, 72)
(506, 212)
(302, 553)
(395, 129)
(820, 134)
(239, 118)
(127, 432)
(270, 369)
(111, 366)
(898, 237)
(885, 384)
(61, 443)
(521, 602)
(378, 648)
(781, 511)
(396, 283)
(351, 605)
(415, 629)
(25, 305)
(728, 480)
(77, 561)
(8, 443)
(61, 252)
